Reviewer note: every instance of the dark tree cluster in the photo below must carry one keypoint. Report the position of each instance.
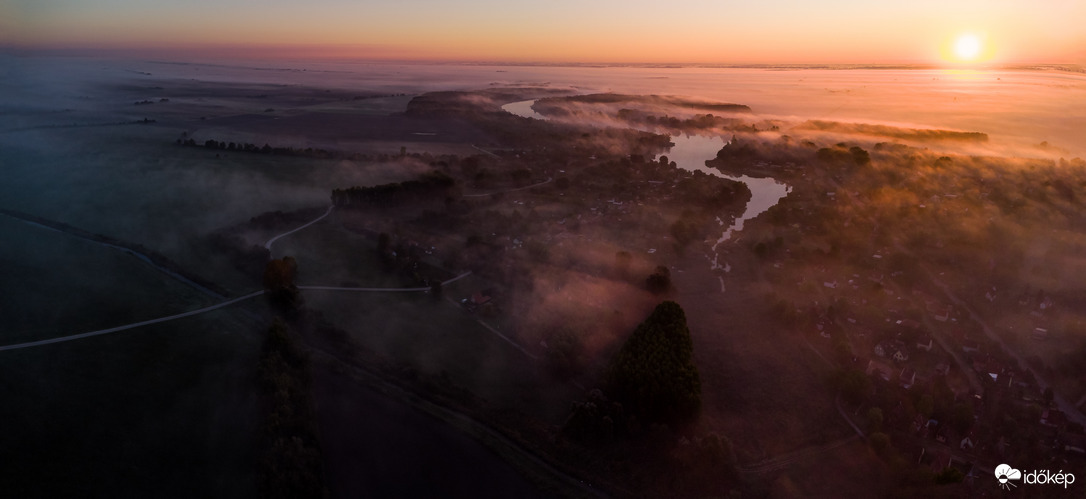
(745, 151)
(894, 132)
(696, 123)
(659, 282)
(684, 233)
(594, 420)
(555, 104)
(841, 156)
(429, 186)
(653, 376)
(290, 462)
(407, 262)
(565, 353)
(310, 152)
(652, 382)
(738, 151)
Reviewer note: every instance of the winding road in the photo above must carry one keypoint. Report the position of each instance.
(477, 148)
(271, 241)
(129, 326)
(209, 309)
(537, 184)
(496, 332)
(177, 276)
(784, 461)
(1069, 409)
(117, 245)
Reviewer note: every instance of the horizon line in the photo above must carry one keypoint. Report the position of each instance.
(185, 56)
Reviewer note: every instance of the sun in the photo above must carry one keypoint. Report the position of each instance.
(967, 47)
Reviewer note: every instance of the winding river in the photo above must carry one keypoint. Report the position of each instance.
(690, 152)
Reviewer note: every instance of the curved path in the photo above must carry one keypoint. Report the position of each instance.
(384, 290)
(268, 244)
(159, 262)
(1071, 411)
(784, 461)
(549, 180)
(203, 310)
(477, 148)
(507, 449)
(130, 326)
(375, 290)
(496, 332)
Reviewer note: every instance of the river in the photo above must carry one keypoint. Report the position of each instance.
(690, 152)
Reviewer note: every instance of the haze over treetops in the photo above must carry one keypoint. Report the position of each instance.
(691, 31)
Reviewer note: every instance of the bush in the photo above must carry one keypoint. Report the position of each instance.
(880, 443)
(949, 475)
(659, 282)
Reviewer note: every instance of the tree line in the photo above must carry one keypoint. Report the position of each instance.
(432, 185)
(290, 462)
(311, 152)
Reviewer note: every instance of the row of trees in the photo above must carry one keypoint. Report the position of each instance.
(698, 122)
(290, 462)
(310, 152)
(431, 185)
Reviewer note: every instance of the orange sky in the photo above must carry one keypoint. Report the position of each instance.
(701, 31)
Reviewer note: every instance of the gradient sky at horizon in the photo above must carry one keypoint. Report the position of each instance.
(686, 31)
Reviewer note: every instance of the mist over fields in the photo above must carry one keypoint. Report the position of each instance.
(1023, 107)
(58, 110)
(118, 149)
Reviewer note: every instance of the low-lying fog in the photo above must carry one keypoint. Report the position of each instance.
(69, 151)
(1020, 108)
(114, 180)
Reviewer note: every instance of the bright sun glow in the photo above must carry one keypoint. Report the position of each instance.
(967, 47)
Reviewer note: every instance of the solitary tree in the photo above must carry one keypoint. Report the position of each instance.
(683, 233)
(279, 285)
(653, 376)
(860, 156)
(874, 419)
(659, 281)
(280, 273)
